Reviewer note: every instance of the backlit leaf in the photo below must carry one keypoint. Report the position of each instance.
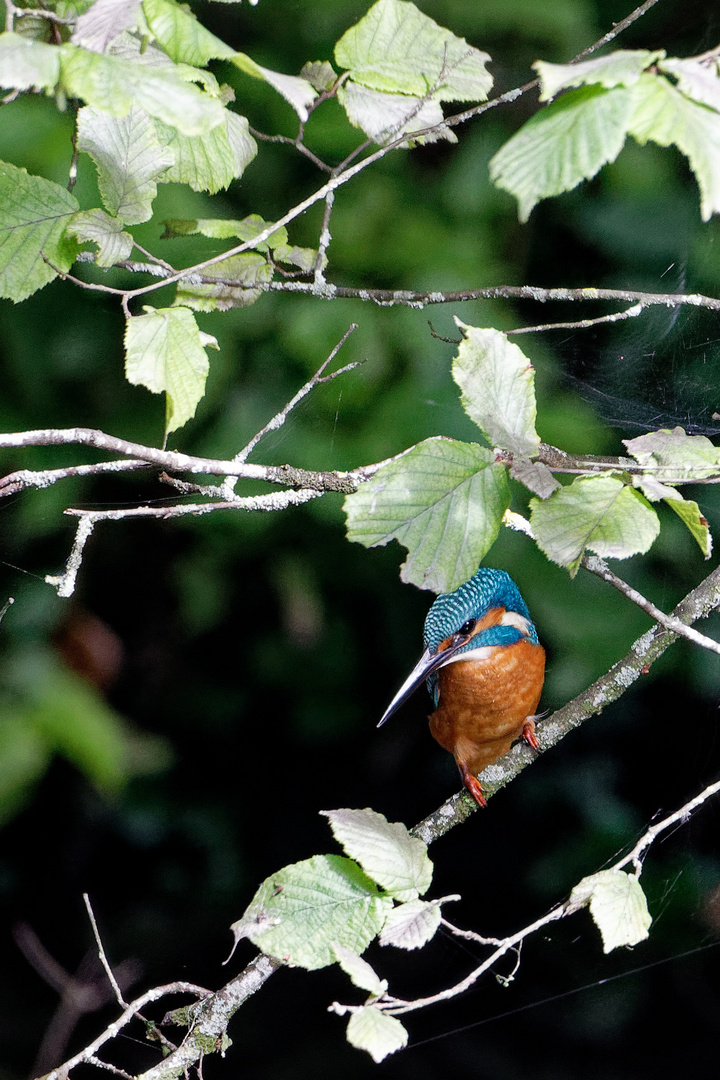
(179, 33)
(361, 973)
(386, 851)
(238, 273)
(664, 115)
(617, 905)
(304, 911)
(113, 243)
(568, 141)
(397, 49)
(384, 117)
(598, 513)
(212, 160)
(297, 92)
(411, 925)
(670, 455)
(26, 64)
(443, 500)
(372, 1030)
(621, 68)
(498, 389)
(34, 214)
(103, 22)
(129, 160)
(114, 84)
(165, 352)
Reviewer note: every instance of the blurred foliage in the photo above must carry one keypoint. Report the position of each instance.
(254, 653)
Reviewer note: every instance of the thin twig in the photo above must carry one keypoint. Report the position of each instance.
(581, 324)
(42, 478)
(617, 29)
(130, 1013)
(65, 582)
(398, 1007)
(598, 566)
(637, 854)
(319, 377)
(101, 953)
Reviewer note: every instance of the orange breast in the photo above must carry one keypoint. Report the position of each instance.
(485, 703)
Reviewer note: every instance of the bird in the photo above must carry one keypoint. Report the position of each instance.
(484, 668)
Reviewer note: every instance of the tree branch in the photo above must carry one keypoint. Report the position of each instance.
(398, 1007)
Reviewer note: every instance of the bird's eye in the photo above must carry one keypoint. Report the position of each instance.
(467, 628)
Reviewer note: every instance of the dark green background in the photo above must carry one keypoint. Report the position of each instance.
(259, 650)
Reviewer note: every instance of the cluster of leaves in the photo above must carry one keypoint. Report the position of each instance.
(151, 112)
(445, 500)
(652, 97)
(328, 909)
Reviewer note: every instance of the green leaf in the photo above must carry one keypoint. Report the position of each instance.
(243, 270)
(670, 455)
(34, 214)
(691, 515)
(621, 68)
(361, 973)
(396, 48)
(597, 512)
(129, 160)
(179, 33)
(386, 851)
(664, 115)
(99, 228)
(104, 21)
(443, 500)
(697, 79)
(568, 141)
(617, 905)
(27, 64)
(411, 925)
(304, 911)
(498, 389)
(319, 74)
(165, 352)
(114, 84)
(227, 228)
(211, 161)
(297, 92)
(535, 476)
(385, 117)
(372, 1030)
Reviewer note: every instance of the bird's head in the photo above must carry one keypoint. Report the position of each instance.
(484, 613)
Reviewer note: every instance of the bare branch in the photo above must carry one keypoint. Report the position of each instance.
(101, 953)
(397, 1007)
(598, 566)
(319, 377)
(42, 478)
(65, 582)
(425, 298)
(581, 324)
(176, 462)
(130, 1013)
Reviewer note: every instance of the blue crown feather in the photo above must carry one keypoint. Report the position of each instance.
(487, 589)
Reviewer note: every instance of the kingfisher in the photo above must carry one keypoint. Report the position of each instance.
(484, 668)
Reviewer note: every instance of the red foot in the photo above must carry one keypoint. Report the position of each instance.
(473, 785)
(528, 734)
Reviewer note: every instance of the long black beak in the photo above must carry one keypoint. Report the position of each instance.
(425, 666)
